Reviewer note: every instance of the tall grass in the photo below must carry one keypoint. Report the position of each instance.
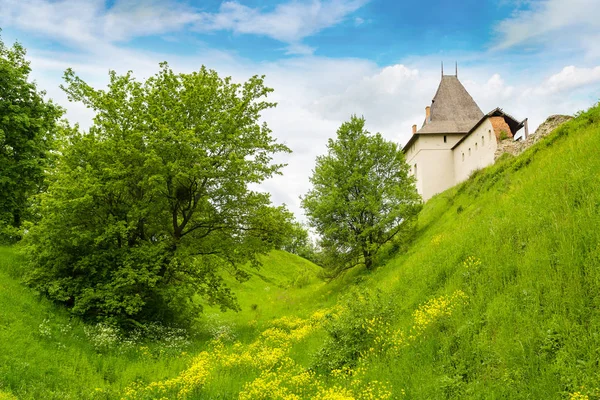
(497, 297)
(47, 354)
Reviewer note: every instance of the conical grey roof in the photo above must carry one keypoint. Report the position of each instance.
(453, 110)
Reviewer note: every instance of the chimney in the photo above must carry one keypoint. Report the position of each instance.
(414, 129)
(427, 114)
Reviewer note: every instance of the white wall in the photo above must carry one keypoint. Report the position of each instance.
(479, 156)
(435, 163)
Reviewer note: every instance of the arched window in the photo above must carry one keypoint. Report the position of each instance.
(463, 154)
(469, 152)
(490, 134)
(415, 169)
(482, 141)
(475, 146)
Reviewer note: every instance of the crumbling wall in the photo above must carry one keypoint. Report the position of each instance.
(517, 147)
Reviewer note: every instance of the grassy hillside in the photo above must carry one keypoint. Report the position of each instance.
(521, 240)
(498, 297)
(285, 284)
(46, 354)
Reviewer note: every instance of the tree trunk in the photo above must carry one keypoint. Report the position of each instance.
(368, 259)
(17, 218)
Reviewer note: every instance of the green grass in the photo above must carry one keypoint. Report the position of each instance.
(46, 354)
(283, 285)
(532, 324)
(529, 330)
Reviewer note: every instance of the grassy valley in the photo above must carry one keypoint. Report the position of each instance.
(496, 297)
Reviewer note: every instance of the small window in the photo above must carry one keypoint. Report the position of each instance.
(415, 169)
(444, 139)
(490, 134)
(475, 146)
(469, 151)
(463, 154)
(482, 141)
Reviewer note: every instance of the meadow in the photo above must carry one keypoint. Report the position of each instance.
(497, 296)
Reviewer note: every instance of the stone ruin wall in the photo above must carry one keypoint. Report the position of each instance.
(517, 147)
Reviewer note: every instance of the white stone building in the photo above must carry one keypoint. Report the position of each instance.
(456, 138)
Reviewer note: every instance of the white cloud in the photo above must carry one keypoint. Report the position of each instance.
(289, 22)
(86, 23)
(129, 19)
(391, 99)
(559, 93)
(314, 94)
(299, 49)
(569, 78)
(70, 21)
(492, 93)
(552, 23)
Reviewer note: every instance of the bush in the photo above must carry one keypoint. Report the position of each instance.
(301, 279)
(349, 335)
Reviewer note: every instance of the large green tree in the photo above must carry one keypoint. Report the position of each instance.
(148, 209)
(362, 197)
(27, 128)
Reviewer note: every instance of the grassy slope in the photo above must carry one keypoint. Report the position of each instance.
(44, 353)
(284, 284)
(530, 328)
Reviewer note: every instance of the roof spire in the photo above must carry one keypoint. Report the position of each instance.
(442, 69)
(456, 66)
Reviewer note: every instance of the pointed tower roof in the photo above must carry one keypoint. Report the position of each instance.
(453, 110)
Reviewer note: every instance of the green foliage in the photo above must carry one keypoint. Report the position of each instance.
(28, 125)
(297, 240)
(302, 279)
(349, 335)
(45, 353)
(362, 195)
(145, 210)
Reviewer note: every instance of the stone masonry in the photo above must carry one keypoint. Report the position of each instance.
(516, 147)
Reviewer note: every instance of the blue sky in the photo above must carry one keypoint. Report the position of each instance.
(379, 30)
(327, 59)
(382, 31)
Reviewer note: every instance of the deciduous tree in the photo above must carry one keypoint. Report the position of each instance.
(362, 197)
(27, 127)
(149, 208)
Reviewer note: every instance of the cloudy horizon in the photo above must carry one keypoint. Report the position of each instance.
(326, 59)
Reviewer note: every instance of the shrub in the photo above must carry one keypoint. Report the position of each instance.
(301, 279)
(349, 334)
